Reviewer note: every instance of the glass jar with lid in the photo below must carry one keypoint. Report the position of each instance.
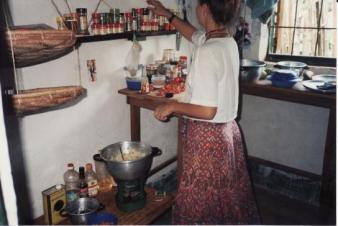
(83, 21)
(151, 70)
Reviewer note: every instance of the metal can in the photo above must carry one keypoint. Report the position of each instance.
(54, 201)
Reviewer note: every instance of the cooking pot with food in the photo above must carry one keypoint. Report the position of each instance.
(128, 160)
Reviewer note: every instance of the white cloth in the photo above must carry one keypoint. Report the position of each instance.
(6, 174)
(213, 79)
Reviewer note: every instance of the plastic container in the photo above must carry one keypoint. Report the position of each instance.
(158, 81)
(133, 83)
(284, 78)
(103, 219)
(91, 179)
(71, 178)
(105, 180)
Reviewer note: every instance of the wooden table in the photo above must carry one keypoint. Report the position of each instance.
(299, 94)
(145, 216)
(296, 94)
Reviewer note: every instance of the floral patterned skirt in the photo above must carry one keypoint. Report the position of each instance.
(214, 185)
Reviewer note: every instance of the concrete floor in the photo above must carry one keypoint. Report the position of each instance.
(276, 209)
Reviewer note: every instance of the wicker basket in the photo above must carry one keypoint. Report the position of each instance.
(39, 43)
(41, 99)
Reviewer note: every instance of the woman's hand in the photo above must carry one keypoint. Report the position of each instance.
(163, 111)
(157, 8)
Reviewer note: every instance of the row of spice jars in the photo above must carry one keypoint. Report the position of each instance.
(140, 19)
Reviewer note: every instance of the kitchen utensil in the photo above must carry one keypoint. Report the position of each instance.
(121, 153)
(315, 85)
(80, 210)
(296, 66)
(284, 78)
(325, 78)
(130, 175)
(251, 70)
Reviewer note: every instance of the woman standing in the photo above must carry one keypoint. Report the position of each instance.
(214, 186)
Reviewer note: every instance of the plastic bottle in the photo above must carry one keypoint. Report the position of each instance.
(105, 180)
(71, 178)
(91, 179)
(82, 183)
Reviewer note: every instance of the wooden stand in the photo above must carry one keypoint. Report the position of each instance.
(147, 215)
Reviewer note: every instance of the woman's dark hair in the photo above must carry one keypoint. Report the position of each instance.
(224, 12)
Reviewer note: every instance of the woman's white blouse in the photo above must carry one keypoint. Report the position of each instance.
(213, 79)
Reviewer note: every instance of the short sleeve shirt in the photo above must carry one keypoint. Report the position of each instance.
(213, 77)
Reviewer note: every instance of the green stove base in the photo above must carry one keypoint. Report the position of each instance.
(130, 195)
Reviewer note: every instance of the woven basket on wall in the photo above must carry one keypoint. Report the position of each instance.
(34, 44)
(29, 101)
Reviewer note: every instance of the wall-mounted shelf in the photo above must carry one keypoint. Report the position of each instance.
(126, 35)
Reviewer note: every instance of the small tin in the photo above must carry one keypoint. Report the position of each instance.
(54, 201)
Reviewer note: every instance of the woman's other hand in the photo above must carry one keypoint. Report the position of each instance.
(157, 8)
(163, 111)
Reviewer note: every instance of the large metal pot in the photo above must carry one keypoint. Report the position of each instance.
(128, 170)
(251, 70)
(81, 210)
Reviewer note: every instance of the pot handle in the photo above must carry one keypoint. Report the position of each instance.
(155, 151)
(63, 213)
(97, 157)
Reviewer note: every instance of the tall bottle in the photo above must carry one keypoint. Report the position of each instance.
(82, 183)
(71, 178)
(91, 180)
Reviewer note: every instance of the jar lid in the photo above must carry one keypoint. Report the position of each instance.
(151, 67)
(81, 10)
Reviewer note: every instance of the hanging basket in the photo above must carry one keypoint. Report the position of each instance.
(42, 99)
(34, 44)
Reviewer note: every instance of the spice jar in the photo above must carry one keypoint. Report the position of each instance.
(71, 21)
(151, 70)
(60, 23)
(168, 55)
(83, 21)
(96, 18)
(96, 29)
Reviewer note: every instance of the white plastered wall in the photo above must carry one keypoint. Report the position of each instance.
(74, 134)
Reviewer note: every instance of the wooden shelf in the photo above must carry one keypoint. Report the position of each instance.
(126, 35)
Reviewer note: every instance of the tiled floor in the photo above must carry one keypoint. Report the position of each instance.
(276, 209)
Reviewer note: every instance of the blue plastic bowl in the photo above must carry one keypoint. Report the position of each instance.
(133, 84)
(284, 78)
(102, 219)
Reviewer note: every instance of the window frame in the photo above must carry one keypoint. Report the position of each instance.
(310, 60)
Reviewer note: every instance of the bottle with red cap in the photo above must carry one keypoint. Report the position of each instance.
(71, 178)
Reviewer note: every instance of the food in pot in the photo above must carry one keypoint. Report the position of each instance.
(132, 155)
